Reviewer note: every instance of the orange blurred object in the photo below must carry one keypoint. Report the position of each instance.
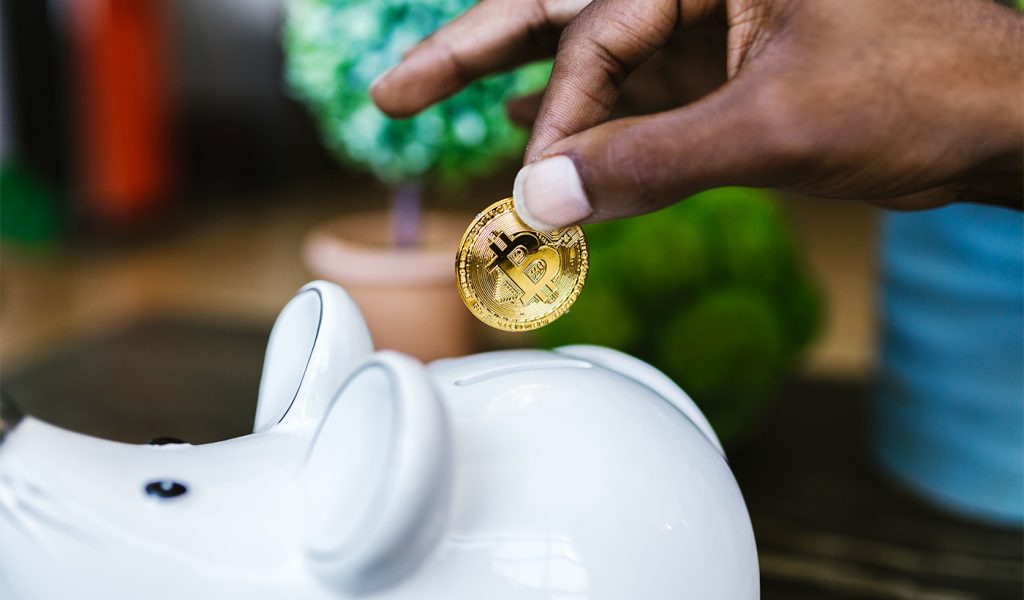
(123, 111)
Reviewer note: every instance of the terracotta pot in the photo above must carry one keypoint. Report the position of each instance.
(407, 295)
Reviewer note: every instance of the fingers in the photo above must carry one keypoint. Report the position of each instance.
(492, 36)
(597, 51)
(606, 41)
(633, 166)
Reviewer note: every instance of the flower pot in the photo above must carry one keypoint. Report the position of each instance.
(407, 295)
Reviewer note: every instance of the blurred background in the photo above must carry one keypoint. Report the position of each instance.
(152, 160)
(171, 172)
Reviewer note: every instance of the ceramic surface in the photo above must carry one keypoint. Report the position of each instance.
(581, 473)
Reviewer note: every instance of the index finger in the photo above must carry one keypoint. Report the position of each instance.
(492, 36)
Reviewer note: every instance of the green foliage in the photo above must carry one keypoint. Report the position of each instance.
(711, 291)
(728, 350)
(334, 49)
(30, 213)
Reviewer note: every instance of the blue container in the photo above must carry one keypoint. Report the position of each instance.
(949, 404)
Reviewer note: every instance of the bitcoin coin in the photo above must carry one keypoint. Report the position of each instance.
(515, 278)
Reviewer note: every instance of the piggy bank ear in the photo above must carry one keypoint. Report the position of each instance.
(316, 342)
(374, 491)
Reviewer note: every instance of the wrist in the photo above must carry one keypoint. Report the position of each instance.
(997, 176)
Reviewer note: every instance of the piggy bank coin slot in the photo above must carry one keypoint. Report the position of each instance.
(493, 372)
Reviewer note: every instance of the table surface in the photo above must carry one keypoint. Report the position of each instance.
(241, 265)
(827, 525)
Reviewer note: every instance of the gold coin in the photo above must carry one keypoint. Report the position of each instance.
(515, 278)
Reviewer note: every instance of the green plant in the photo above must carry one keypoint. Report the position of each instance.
(333, 51)
(710, 290)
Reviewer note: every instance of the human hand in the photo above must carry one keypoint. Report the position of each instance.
(909, 104)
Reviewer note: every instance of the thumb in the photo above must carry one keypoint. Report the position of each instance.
(637, 165)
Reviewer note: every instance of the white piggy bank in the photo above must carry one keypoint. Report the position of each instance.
(575, 474)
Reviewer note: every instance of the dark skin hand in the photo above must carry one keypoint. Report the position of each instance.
(908, 104)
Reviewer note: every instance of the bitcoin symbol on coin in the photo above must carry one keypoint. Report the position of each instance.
(514, 278)
(531, 266)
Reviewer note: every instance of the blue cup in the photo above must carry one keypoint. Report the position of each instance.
(949, 401)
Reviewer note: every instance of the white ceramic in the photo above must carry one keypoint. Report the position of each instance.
(576, 474)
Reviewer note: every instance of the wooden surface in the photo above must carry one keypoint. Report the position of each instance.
(827, 526)
(241, 266)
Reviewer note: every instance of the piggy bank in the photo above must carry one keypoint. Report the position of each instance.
(578, 473)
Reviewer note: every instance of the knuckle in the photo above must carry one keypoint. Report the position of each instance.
(443, 47)
(607, 59)
(584, 54)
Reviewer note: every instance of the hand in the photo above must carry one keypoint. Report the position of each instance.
(909, 104)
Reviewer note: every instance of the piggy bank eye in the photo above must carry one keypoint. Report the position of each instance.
(165, 489)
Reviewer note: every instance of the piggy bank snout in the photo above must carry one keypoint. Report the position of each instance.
(375, 486)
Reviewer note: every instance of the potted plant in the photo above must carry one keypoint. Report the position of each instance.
(710, 290)
(397, 265)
